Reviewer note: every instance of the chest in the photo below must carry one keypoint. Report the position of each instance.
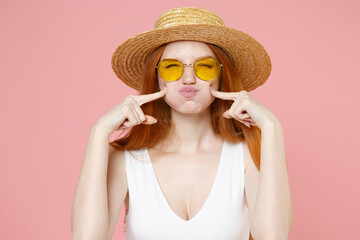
(202, 190)
(185, 180)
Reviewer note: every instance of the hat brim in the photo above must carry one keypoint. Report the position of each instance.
(248, 55)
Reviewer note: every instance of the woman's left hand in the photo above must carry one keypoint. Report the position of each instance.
(246, 109)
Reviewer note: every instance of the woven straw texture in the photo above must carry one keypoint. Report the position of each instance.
(192, 23)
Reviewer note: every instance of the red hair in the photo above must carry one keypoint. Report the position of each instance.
(231, 130)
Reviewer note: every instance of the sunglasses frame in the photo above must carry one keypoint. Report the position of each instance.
(190, 64)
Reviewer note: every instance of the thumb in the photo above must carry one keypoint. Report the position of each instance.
(149, 120)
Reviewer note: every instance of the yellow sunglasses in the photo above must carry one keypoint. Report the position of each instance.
(171, 69)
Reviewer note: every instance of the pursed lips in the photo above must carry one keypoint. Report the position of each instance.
(188, 91)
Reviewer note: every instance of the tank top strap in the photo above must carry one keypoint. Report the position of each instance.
(139, 176)
(232, 176)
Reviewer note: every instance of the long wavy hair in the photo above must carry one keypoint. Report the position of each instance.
(231, 130)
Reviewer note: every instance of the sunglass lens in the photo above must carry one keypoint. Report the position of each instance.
(170, 69)
(207, 68)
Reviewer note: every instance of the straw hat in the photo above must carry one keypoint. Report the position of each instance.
(192, 23)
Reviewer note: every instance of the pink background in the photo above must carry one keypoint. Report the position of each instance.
(57, 81)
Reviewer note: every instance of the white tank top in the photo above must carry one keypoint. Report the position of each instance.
(224, 215)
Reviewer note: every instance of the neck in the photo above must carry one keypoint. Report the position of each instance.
(191, 133)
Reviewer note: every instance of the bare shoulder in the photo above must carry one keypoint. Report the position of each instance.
(248, 160)
(117, 168)
(115, 153)
(252, 175)
(116, 164)
(116, 185)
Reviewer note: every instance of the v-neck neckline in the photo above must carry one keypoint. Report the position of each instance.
(213, 187)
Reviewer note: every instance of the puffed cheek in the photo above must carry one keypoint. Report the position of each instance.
(172, 98)
(162, 85)
(214, 86)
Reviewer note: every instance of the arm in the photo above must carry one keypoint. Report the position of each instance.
(273, 209)
(90, 215)
(102, 184)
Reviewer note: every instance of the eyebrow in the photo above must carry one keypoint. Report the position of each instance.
(195, 58)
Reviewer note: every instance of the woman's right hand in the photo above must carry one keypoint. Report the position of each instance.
(128, 113)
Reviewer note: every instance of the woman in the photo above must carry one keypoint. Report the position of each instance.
(189, 166)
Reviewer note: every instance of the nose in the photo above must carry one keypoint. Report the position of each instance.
(189, 76)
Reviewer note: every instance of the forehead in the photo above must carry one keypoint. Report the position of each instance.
(187, 50)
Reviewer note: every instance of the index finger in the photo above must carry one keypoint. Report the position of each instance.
(223, 95)
(141, 99)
